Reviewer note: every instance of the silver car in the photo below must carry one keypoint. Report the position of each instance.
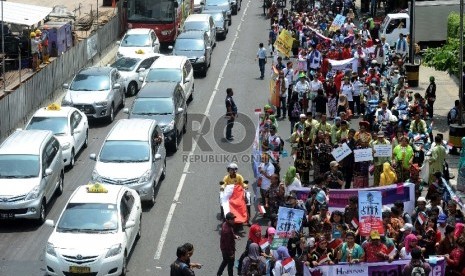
(96, 91)
(31, 172)
(133, 68)
(221, 22)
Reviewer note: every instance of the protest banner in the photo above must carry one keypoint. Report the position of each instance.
(289, 222)
(256, 147)
(404, 192)
(343, 65)
(337, 23)
(302, 193)
(438, 268)
(361, 155)
(370, 212)
(341, 152)
(382, 151)
(284, 43)
(277, 242)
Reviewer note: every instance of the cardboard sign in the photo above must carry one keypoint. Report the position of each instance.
(362, 155)
(382, 150)
(337, 23)
(284, 43)
(341, 152)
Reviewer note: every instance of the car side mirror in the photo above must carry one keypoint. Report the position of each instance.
(65, 85)
(93, 156)
(118, 42)
(116, 86)
(48, 172)
(126, 110)
(180, 110)
(141, 79)
(141, 70)
(50, 222)
(187, 80)
(130, 224)
(157, 157)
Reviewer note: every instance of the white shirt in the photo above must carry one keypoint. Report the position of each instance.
(315, 85)
(357, 84)
(269, 170)
(296, 184)
(348, 90)
(403, 255)
(301, 88)
(383, 116)
(289, 75)
(400, 100)
(279, 269)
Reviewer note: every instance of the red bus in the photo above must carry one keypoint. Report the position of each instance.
(164, 16)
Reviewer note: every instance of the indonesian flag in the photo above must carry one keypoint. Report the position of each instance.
(261, 209)
(288, 263)
(416, 137)
(232, 200)
(323, 259)
(354, 223)
(264, 244)
(421, 218)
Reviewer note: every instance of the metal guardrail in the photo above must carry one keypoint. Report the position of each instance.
(15, 107)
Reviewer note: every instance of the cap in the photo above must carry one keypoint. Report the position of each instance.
(407, 227)
(303, 116)
(380, 133)
(333, 164)
(421, 199)
(38, 32)
(320, 197)
(230, 216)
(374, 235)
(442, 218)
(302, 75)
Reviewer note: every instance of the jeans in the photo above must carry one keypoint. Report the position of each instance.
(227, 261)
(357, 102)
(282, 108)
(229, 127)
(261, 65)
(430, 108)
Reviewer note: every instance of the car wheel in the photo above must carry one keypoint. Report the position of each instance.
(72, 159)
(123, 100)
(174, 143)
(163, 173)
(111, 116)
(125, 264)
(42, 211)
(132, 89)
(86, 142)
(60, 186)
(139, 233)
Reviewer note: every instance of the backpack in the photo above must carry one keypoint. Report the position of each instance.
(254, 268)
(449, 116)
(418, 271)
(296, 110)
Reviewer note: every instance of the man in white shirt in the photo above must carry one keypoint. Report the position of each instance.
(314, 59)
(358, 86)
(266, 170)
(383, 114)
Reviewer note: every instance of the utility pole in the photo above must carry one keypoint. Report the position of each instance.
(411, 50)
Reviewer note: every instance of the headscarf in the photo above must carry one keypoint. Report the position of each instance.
(408, 239)
(254, 251)
(387, 177)
(282, 253)
(255, 228)
(459, 227)
(270, 231)
(290, 175)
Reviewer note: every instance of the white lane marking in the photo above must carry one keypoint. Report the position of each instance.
(166, 227)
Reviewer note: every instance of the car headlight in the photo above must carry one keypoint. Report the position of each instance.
(66, 145)
(66, 102)
(201, 59)
(102, 103)
(167, 32)
(114, 250)
(50, 249)
(34, 193)
(145, 177)
(96, 177)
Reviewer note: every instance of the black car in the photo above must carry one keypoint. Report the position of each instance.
(196, 47)
(164, 102)
(221, 22)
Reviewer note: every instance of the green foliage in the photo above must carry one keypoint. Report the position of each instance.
(453, 25)
(445, 58)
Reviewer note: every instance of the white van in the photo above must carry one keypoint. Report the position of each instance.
(172, 69)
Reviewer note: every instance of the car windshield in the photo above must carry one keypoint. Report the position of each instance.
(152, 106)
(171, 75)
(58, 125)
(216, 2)
(189, 45)
(85, 82)
(196, 26)
(150, 11)
(120, 151)
(217, 17)
(88, 217)
(125, 64)
(19, 165)
(136, 40)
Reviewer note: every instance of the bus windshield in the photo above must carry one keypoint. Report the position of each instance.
(151, 11)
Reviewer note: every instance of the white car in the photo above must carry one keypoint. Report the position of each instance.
(95, 232)
(68, 124)
(133, 68)
(138, 41)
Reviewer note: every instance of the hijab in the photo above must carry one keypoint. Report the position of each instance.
(255, 228)
(254, 251)
(459, 227)
(408, 239)
(290, 175)
(282, 253)
(270, 231)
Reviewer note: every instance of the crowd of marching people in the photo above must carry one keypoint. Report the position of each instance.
(322, 105)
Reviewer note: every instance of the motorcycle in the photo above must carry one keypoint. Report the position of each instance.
(370, 111)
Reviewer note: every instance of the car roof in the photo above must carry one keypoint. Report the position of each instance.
(191, 35)
(25, 142)
(157, 90)
(197, 17)
(212, 11)
(81, 195)
(64, 111)
(169, 62)
(97, 70)
(130, 130)
(138, 31)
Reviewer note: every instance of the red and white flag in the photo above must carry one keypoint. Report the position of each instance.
(264, 244)
(421, 218)
(232, 200)
(288, 263)
(323, 259)
(354, 223)
(261, 209)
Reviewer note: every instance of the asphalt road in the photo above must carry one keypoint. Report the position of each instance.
(187, 208)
